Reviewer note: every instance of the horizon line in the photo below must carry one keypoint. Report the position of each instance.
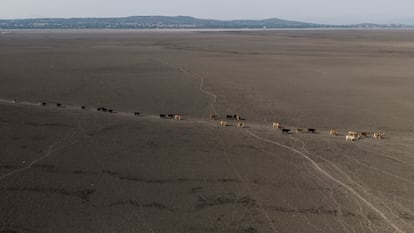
(202, 18)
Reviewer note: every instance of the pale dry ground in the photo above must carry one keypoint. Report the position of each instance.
(68, 170)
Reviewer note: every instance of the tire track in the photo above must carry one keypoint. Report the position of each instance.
(329, 176)
(345, 226)
(50, 149)
(350, 180)
(49, 152)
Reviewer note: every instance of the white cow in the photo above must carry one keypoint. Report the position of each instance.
(355, 134)
(351, 138)
(277, 125)
(224, 123)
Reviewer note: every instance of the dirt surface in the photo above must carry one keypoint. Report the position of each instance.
(72, 170)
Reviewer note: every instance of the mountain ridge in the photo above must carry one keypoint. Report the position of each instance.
(171, 22)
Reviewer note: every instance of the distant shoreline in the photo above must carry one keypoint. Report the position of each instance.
(180, 23)
(11, 31)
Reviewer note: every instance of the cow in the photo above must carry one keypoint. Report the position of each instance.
(171, 115)
(333, 132)
(363, 134)
(14, 101)
(224, 123)
(111, 110)
(136, 113)
(276, 125)
(240, 125)
(213, 116)
(58, 105)
(163, 116)
(355, 134)
(83, 107)
(285, 130)
(177, 117)
(229, 117)
(311, 130)
(378, 136)
(43, 104)
(351, 138)
(299, 130)
(105, 109)
(352, 133)
(239, 118)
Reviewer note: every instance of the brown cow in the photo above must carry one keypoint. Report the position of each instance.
(378, 135)
(299, 130)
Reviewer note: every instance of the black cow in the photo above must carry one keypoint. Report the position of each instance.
(285, 130)
(84, 107)
(43, 104)
(229, 117)
(111, 110)
(58, 105)
(105, 109)
(136, 113)
(162, 115)
(171, 115)
(311, 130)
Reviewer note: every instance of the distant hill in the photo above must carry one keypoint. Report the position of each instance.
(166, 22)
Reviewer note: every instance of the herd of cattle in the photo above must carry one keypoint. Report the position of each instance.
(353, 135)
(171, 116)
(230, 117)
(350, 136)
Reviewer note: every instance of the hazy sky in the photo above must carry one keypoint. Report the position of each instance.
(320, 11)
